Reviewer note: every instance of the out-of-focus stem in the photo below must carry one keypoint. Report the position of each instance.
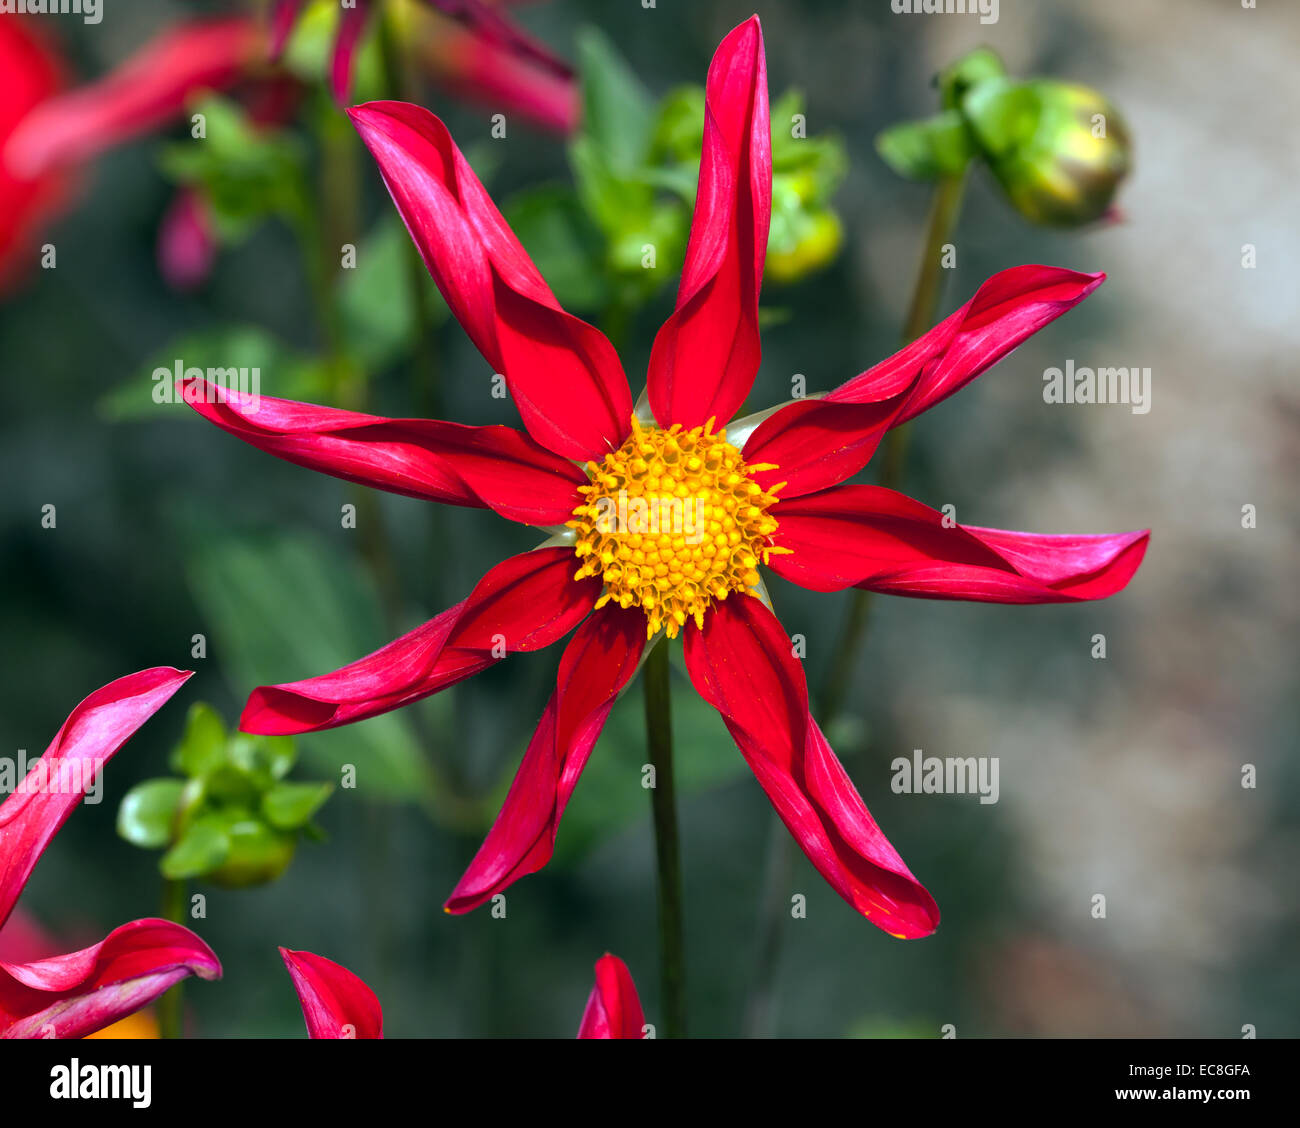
(170, 1006)
(659, 741)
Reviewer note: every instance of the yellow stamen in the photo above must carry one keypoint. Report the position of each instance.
(672, 522)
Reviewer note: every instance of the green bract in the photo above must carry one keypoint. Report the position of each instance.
(233, 820)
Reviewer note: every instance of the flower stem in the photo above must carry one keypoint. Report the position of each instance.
(170, 1006)
(659, 742)
(945, 209)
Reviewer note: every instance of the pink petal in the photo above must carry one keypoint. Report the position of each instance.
(613, 1008)
(187, 244)
(352, 23)
(598, 663)
(707, 353)
(283, 18)
(742, 664)
(874, 538)
(564, 375)
(154, 86)
(525, 603)
(335, 1002)
(75, 995)
(496, 467)
(474, 69)
(89, 738)
(492, 27)
(820, 443)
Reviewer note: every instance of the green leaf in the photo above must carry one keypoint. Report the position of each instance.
(679, 127)
(289, 806)
(247, 172)
(284, 607)
(563, 242)
(262, 759)
(203, 746)
(926, 150)
(148, 812)
(201, 849)
(617, 110)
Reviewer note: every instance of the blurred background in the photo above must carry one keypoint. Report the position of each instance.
(1120, 777)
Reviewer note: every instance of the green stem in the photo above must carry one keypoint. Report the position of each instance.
(659, 741)
(759, 1012)
(170, 1006)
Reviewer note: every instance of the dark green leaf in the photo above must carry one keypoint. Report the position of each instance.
(617, 111)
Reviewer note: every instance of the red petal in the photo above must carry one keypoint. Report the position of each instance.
(283, 18)
(742, 664)
(707, 353)
(89, 738)
(30, 73)
(525, 603)
(496, 467)
(820, 443)
(335, 1002)
(493, 27)
(877, 539)
(472, 68)
(613, 1008)
(75, 995)
(152, 87)
(564, 375)
(352, 23)
(599, 661)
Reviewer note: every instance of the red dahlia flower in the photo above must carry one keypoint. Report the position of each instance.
(76, 994)
(769, 492)
(335, 1002)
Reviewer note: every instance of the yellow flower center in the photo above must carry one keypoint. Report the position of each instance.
(673, 521)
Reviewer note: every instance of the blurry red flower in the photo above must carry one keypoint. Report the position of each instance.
(30, 72)
(772, 494)
(335, 1002)
(76, 994)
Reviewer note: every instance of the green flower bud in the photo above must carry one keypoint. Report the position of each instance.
(810, 242)
(257, 852)
(1058, 149)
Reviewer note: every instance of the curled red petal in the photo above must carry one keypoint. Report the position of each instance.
(881, 540)
(154, 86)
(336, 1003)
(598, 663)
(74, 995)
(488, 467)
(820, 443)
(742, 663)
(613, 1008)
(525, 603)
(564, 376)
(352, 22)
(707, 353)
(87, 740)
